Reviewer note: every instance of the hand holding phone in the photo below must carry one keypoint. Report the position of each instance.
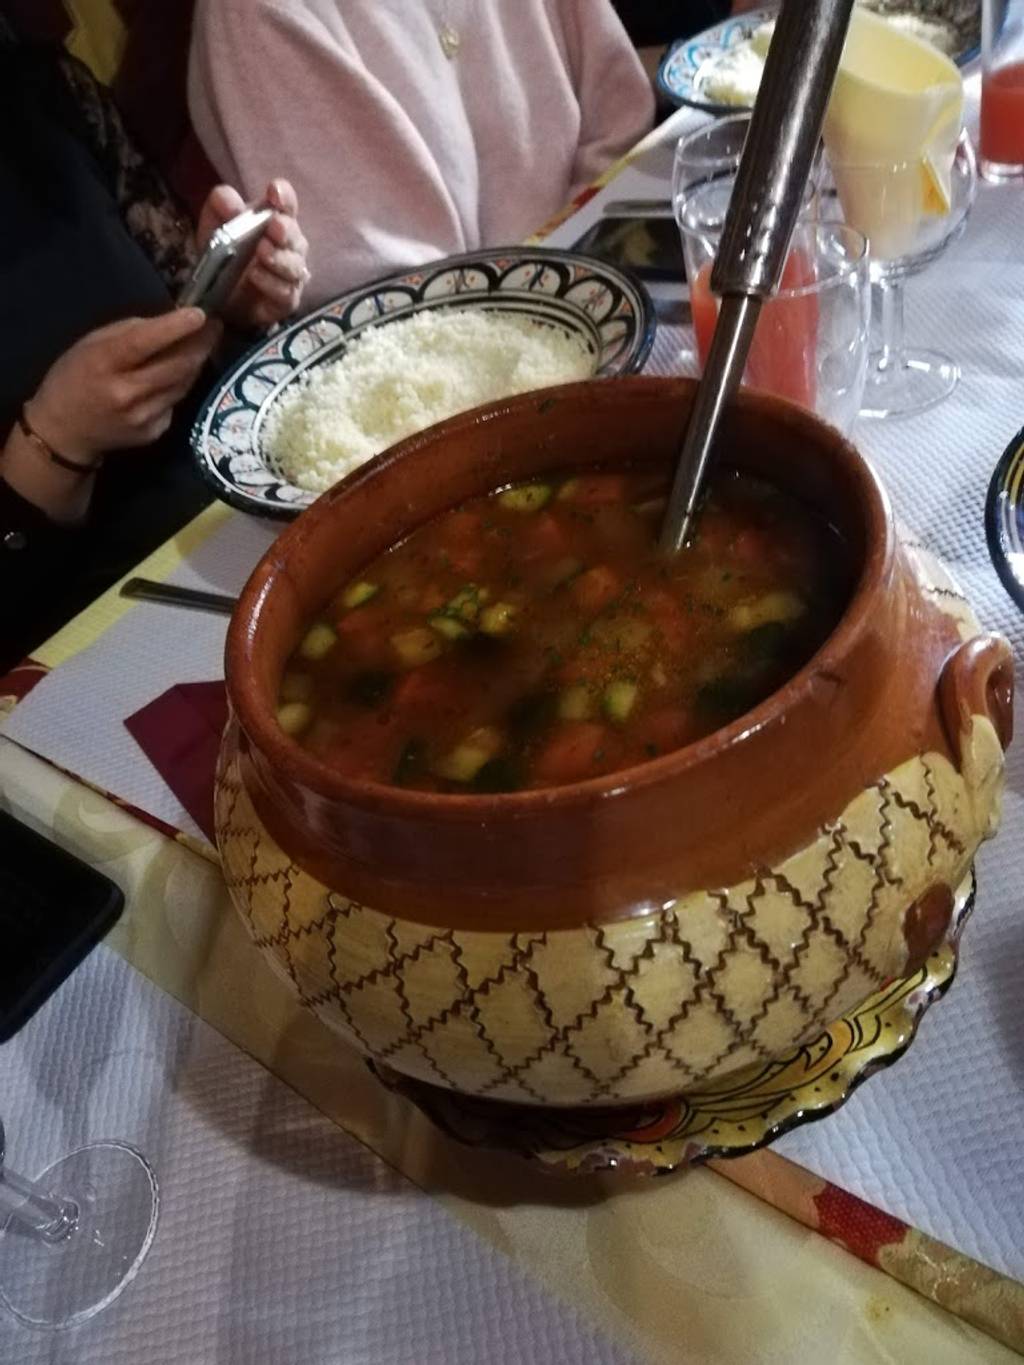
(223, 263)
(115, 388)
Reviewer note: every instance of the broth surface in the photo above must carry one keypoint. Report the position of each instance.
(536, 636)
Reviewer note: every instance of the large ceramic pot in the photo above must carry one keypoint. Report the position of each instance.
(641, 933)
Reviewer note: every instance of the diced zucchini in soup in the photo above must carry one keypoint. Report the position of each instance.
(499, 619)
(459, 616)
(448, 626)
(528, 497)
(492, 650)
(416, 646)
(294, 717)
(358, 594)
(464, 761)
(575, 703)
(780, 606)
(466, 603)
(619, 699)
(317, 642)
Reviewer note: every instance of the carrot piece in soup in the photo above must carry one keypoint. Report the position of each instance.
(466, 559)
(575, 751)
(359, 635)
(661, 731)
(460, 542)
(422, 689)
(543, 537)
(752, 546)
(671, 622)
(369, 748)
(715, 534)
(432, 598)
(461, 527)
(592, 591)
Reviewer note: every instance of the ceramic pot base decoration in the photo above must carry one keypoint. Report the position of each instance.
(732, 1118)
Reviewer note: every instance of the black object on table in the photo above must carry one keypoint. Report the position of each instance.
(53, 910)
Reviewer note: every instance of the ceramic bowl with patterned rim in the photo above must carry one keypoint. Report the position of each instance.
(603, 305)
(732, 1117)
(688, 64)
(1004, 518)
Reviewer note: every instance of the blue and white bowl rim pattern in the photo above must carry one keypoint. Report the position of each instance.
(597, 300)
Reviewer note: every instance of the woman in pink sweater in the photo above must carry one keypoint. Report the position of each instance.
(413, 129)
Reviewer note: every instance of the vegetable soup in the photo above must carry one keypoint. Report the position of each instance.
(537, 636)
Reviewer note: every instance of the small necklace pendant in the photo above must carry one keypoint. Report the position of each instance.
(450, 40)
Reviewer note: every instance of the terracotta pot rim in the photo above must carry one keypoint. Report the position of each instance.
(258, 722)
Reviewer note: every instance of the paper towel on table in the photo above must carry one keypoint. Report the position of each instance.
(281, 1239)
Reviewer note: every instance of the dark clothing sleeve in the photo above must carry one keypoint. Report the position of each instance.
(27, 535)
(148, 209)
(36, 556)
(88, 235)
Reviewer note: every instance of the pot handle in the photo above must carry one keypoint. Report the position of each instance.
(977, 680)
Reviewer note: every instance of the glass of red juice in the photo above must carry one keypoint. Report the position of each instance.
(811, 341)
(1002, 91)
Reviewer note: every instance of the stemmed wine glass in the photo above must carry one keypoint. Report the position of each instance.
(73, 1239)
(910, 213)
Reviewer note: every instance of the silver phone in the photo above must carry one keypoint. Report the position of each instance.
(222, 264)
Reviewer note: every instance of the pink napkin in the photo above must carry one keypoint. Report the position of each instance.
(180, 734)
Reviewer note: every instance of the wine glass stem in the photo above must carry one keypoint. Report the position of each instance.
(27, 1205)
(891, 323)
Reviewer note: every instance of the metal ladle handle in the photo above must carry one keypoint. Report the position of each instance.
(785, 127)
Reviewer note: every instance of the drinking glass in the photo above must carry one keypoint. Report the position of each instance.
(74, 1238)
(1002, 90)
(909, 218)
(713, 152)
(811, 340)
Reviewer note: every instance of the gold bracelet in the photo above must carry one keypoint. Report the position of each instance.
(44, 448)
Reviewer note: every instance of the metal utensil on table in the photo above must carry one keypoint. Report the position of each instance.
(784, 129)
(149, 590)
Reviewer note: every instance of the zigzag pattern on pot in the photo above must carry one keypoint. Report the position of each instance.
(713, 983)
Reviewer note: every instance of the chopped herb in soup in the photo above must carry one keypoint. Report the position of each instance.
(537, 637)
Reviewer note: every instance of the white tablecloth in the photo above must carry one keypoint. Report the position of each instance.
(281, 1240)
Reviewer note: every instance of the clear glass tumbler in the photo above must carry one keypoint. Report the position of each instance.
(1002, 90)
(713, 152)
(811, 341)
